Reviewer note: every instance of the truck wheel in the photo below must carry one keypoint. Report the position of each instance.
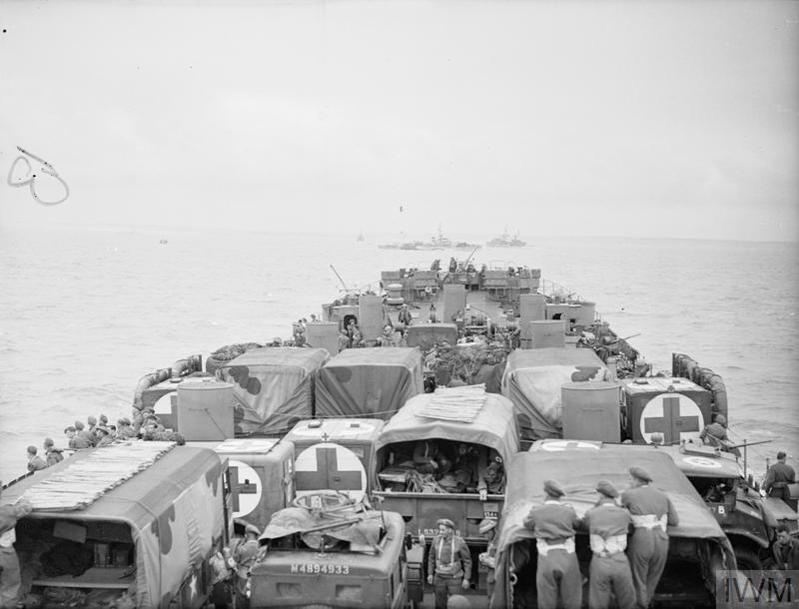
(747, 559)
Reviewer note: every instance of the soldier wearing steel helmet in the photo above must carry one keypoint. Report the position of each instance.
(558, 573)
(651, 511)
(608, 525)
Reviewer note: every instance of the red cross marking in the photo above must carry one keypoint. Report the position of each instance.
(671, 423)
(327, 474)
(240, 488)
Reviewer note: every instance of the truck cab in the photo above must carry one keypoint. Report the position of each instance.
(748, 519)
(328, 551)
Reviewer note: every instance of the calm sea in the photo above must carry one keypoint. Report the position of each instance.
(85, 313)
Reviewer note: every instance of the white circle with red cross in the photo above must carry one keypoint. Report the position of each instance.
(556, 445)
(674, 416)
(246, 484)
(329, 466)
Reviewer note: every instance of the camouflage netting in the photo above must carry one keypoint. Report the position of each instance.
(225, 354)
(470, 364)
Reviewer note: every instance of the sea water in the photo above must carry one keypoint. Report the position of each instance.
(85, 313)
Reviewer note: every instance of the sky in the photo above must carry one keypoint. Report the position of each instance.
(638, 119)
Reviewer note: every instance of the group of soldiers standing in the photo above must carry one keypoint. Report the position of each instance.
(627, 568)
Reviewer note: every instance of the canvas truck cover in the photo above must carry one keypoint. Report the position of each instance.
(174, 509)
(493, 426)
(533, 380)
(372, 382)
(273, 387)
(578, 470)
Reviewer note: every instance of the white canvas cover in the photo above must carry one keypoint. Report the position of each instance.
(533, 379)
(273, 387)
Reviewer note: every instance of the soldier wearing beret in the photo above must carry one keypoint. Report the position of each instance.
(558, 572)
(608, 525)
(651, 510)
(449, 564)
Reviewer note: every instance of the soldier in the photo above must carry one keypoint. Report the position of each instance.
(716, 432)
(92, 429)
(35, 462)
(104, 437)
(786, 549)
(244, 554)
(608, 525)
(651, 511)
(75, 441)
(449, 562)
(10, 577)
(404, 316)
(488, 529)
(553, 524)
(778, 477)
(493, 479)
(387, 339)
(124, 429)
(52, 454)
(83, 433)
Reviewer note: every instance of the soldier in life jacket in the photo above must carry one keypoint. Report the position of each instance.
(778, 477)
(449, 564)
(651, 511)
(608, 525)
(558, 572)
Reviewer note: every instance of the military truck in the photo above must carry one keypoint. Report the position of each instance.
(697, 546)
(132, 523)
(482, 422)
(748, 519)
(328, 551)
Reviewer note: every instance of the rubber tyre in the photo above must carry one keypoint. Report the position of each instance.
(747, 559)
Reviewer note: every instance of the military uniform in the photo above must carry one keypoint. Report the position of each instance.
(778, 477)
(10, 577)
(35, 463)
(608, 525)
(77, 442)
(449, 562)
(651, 512)
(558, 571)
(713, 433)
